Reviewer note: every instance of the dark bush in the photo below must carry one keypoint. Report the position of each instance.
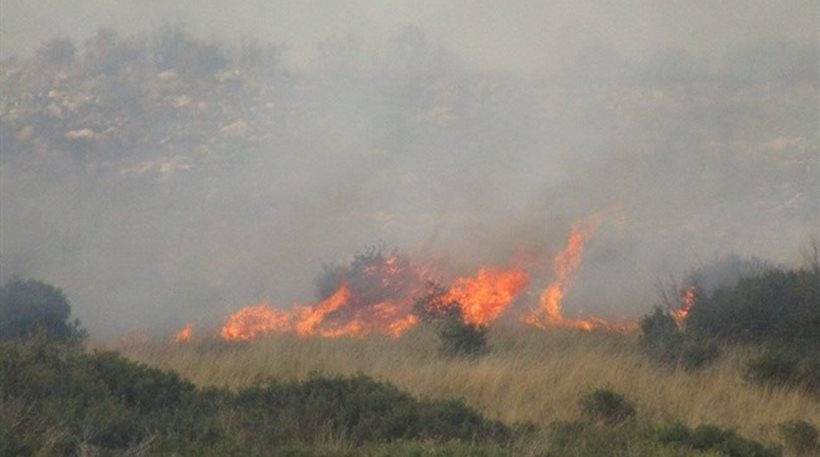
(777, 307)
(109, 405)
(29, 307)
(358, 408)
(773, 367)
(697, 354)
(660, 337)
(606, 406)
(459, 338)
(709, 437)
(800, 438)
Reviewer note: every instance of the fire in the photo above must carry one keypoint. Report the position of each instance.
(252, 321)
(388, 295)
(484, 297)
(566, 265)
(687, 299)
(185, 334)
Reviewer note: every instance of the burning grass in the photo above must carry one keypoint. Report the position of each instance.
(530, 376)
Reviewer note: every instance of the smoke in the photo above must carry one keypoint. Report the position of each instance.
(474, 132)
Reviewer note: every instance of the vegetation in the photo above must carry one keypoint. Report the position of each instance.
(606, 406)
(775, 308)
(29, 307)
(59, 399)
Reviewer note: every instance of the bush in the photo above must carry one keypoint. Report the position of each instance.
(778, 307)
(461, 339)
(779, 368)
(709, 437)
(105, 404)
(698, 354)
(606, 406)
(29, 307)
(800, 438)
(660, 337)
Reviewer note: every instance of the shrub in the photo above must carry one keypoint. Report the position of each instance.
(461, 339)
(698, 354)
(778, 307)
(773, 367)
(660, 337)
(606, 406)
(28, 307)
(800, 438)
(708, 437)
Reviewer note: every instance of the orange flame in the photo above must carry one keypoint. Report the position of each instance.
(486, 296)
(252, 321)
(687, 299)
(566, 264)
(185, 334)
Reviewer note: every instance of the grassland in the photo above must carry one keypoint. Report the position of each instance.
(530, 376)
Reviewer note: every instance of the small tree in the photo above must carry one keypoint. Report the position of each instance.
(30, 306)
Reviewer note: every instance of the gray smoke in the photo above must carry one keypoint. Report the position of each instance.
(476, 132)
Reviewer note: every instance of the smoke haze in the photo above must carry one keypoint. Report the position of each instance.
(205, 166)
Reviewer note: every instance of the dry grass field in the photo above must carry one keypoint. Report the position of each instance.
(530, 375)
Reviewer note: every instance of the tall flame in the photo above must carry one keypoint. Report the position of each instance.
(566, 265)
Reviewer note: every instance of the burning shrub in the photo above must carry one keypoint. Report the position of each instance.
(28, 307)
(606, 406)
(800, 438)
(776, 307)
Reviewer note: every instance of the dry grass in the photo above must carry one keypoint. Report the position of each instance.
(530, 376)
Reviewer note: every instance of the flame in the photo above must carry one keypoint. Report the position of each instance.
(484, 297)
(310, 318)
(252, 321)
(377, 294)
(687, 299)
(185, 334)
(566, 265)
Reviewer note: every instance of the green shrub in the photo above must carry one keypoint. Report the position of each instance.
(606, 406)
(710, 437)
(660, 337)
(696, 354)
(461, 339)
(109, 406)
(773, 367)
(800, 438)
(29, 307)
(777, 307)
(358, 408)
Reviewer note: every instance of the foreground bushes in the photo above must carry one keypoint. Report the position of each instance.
(774, 308)
(58, 400)
(28, 307)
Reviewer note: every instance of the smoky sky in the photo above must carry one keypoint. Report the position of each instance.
(474, 132)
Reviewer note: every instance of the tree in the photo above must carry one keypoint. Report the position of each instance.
(28, 307)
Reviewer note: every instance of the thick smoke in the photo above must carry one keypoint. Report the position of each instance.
(223, 170)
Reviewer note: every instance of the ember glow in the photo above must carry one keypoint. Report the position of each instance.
(185, 334)
(687, 299)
